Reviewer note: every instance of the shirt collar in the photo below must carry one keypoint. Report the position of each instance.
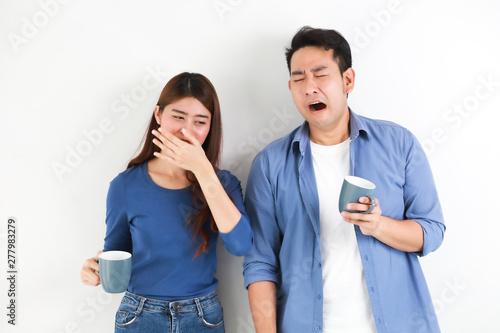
(357, 124)
(301, 137)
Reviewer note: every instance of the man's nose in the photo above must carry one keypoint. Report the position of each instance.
(311, 86)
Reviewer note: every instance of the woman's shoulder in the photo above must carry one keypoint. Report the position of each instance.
(227, 179)
(129, 175)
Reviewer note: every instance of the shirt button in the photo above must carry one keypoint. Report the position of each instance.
(316, 328)
(318, 296)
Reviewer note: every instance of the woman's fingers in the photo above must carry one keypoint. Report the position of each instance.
(188, 135)
(186, 152)
(89, 273)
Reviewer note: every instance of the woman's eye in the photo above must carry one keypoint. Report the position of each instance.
(177, 117)
(201, 122)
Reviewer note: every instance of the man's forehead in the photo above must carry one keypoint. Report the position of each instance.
(311, 59)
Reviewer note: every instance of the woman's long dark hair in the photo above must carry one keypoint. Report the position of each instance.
(197, 86)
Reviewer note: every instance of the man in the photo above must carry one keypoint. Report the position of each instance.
(313, 268)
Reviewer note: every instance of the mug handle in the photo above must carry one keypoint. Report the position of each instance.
(372, 199)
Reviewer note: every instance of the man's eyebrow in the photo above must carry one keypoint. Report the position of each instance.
(314, 70)
(185, 113)
(318, 69)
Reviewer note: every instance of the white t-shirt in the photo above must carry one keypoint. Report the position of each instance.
(346, 304)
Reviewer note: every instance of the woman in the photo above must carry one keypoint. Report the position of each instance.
(168, 208)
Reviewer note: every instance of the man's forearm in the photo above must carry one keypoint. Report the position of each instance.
(262, 297)
(404, 235)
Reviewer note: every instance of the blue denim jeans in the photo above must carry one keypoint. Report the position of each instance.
(146, 315)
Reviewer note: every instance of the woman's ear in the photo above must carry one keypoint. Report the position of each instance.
(157, 114)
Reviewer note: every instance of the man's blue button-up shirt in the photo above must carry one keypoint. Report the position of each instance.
(283, 206)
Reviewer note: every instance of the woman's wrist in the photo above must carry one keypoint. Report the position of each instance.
(204, 172)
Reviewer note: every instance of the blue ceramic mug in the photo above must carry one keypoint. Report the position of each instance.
(114, 270)
(354, 188)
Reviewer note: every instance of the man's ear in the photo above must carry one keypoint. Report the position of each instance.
(348, 78)
(290, 84)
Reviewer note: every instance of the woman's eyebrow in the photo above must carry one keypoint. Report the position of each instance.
(185, 113)
(179, 111)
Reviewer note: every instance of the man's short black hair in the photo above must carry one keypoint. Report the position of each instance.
(327, 39)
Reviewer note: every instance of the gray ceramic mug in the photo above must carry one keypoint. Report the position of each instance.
(114, 270)
(354, 188)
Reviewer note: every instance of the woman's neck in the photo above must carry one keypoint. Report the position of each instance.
(166, 174)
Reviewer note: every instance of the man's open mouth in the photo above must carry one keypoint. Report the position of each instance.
(317, 106)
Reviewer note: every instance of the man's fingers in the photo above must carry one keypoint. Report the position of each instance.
(358, 206)
(364, 204)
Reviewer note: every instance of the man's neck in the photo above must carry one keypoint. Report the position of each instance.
(330, 136)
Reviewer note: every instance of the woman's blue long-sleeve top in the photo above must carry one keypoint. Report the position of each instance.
(150, 222)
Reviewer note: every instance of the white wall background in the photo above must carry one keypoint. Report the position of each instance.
(82, 77)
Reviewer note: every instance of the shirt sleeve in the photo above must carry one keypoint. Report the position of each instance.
(117, 224)
(261, 263)
(240, 239)
(421, 198)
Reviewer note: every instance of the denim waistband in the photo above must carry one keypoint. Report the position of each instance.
(173, 306)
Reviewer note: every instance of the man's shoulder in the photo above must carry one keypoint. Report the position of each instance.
(387, 134)
(282, 145)
(379, 122)
(377, 127)
(275, 155)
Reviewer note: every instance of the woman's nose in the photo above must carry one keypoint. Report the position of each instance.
(188, 125)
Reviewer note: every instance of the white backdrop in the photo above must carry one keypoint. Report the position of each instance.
(79, 80)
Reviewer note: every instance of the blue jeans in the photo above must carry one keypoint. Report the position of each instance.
(146, 315)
